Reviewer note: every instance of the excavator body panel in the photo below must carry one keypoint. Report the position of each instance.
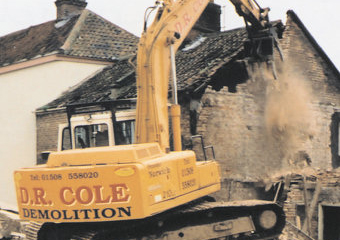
(118, 183)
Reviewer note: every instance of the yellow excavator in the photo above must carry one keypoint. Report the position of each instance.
(144, 190)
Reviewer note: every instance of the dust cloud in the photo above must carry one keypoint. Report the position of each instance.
(288, 116)
(288, 120)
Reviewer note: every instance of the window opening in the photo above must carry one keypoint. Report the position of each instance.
(300, 215)
(331, 230)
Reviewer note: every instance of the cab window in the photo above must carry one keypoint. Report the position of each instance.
(124, 132)
(66, 139)
(95, 135)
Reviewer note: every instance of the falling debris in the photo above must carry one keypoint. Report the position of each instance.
(288, 117)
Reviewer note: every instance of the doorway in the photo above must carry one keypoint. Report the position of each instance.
(330, 222)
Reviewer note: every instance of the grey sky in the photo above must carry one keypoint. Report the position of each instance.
(320, 17)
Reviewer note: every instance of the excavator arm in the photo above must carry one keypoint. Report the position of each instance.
(172, 24)
(252, 13)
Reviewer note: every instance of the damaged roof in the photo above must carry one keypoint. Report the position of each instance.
(101, 86)
(86, 36)
(195, 63)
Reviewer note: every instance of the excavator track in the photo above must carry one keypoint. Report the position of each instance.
(194, 221)
(32, 229)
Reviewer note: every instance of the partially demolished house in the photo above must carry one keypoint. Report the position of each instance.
(264, 130)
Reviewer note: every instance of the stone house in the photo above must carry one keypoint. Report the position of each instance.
(38, 63)
(260, 127)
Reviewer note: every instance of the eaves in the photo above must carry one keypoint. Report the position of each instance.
(53, 57)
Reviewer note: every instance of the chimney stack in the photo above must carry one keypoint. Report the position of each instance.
(69, 8)
(210, 19)
(208, 22)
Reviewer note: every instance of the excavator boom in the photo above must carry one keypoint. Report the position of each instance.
(173, 22)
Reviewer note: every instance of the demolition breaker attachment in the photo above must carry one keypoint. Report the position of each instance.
(259, 48)
(263, 35)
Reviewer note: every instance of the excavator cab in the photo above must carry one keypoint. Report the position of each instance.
(102, 124)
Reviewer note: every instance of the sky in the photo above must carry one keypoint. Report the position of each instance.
(320, 17)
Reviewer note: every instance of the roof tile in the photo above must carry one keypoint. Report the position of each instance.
(86, 35)
(35, 41)
(99, 38)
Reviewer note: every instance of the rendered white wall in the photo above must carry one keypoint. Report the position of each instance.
(21, 93)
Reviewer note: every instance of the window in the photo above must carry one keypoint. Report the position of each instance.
(124, 132)
(335, 139)
(95, 135)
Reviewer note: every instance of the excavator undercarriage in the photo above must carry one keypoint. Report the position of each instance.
(202, 219)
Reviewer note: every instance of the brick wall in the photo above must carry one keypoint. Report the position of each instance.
(232, 123)
(329, 195)
(236, 124)
(325, 84)
(47, 130)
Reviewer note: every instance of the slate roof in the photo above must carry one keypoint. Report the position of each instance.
(196, 63)
(87, 36)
